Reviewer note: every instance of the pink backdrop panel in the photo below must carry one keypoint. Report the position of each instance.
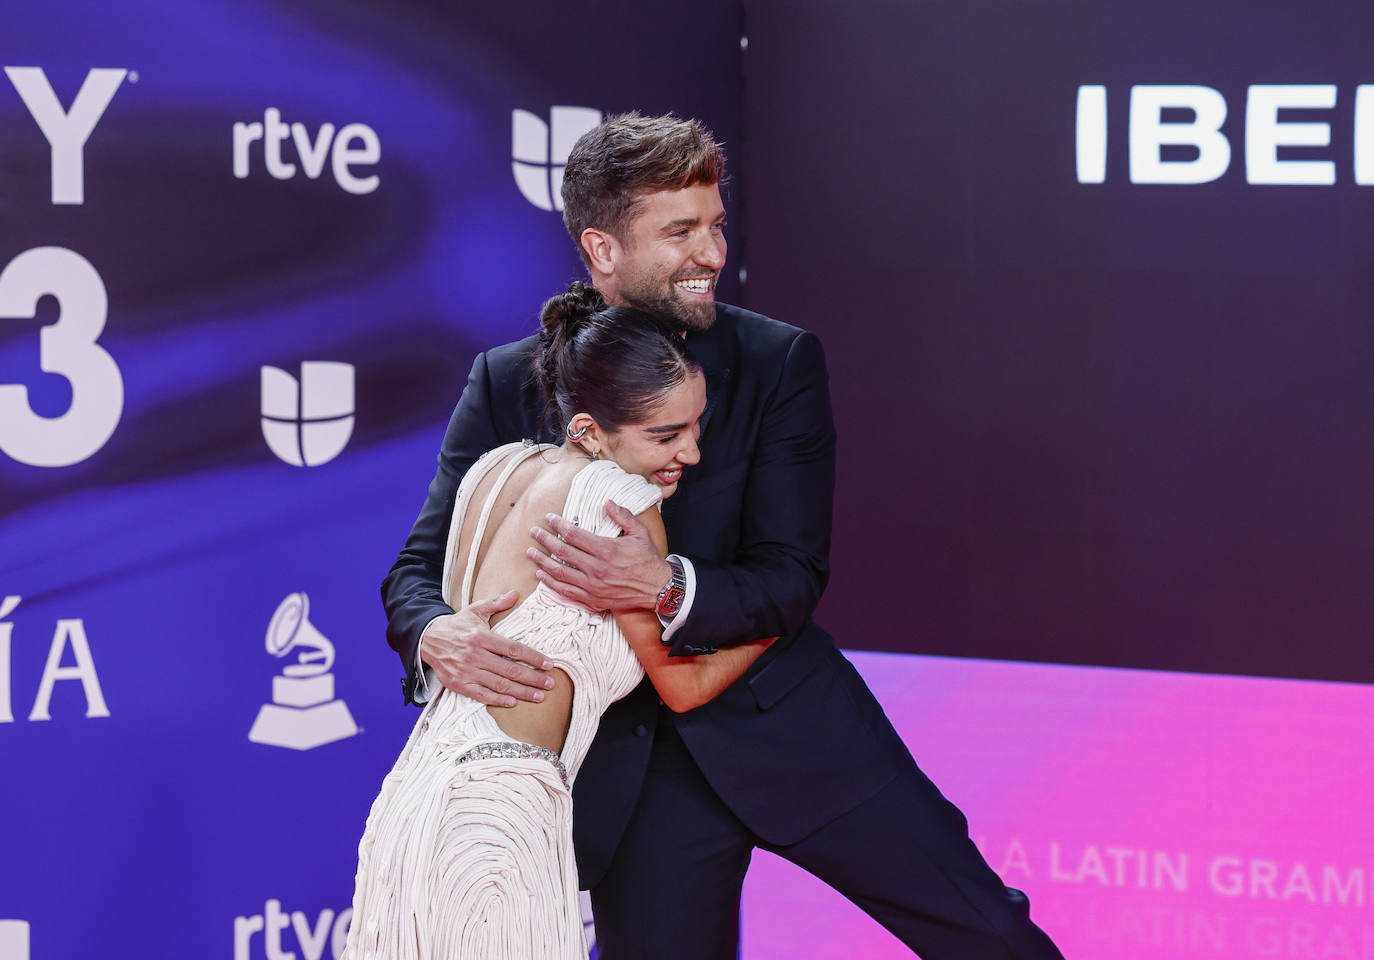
(1147, 814)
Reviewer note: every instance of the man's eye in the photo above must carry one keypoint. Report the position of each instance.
(667, 439)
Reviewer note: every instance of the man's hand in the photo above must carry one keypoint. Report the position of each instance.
(603, 573)
(470, 659)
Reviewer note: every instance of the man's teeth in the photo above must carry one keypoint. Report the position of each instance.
(696, 284)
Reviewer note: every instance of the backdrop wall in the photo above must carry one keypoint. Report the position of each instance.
(1096, 329)
(262, 256)
(1095, 301)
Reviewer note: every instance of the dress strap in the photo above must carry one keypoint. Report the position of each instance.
(465, 595)
(471, 480)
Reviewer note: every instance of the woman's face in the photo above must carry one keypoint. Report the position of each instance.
(659, 448)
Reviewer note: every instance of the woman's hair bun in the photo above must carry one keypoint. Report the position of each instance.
(611, 362)
(564, 313)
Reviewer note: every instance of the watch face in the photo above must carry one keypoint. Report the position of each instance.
(671, 600)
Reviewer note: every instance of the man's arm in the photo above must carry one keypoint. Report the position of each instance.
(466, 655)
(782, 563)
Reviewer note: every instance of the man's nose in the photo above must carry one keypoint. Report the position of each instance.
(711, 252)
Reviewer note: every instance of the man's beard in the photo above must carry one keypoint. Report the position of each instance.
(684, 316)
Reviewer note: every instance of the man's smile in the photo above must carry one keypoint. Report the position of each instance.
(701, 286)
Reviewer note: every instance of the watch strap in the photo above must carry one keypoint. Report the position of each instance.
(671, 596)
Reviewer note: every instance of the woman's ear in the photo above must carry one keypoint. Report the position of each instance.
(596, 442)
(592, 436)
(584, 430)
(579, 426)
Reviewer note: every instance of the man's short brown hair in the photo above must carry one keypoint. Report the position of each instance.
(613, 165)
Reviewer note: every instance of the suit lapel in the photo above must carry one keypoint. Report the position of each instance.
(714, 350)
(711, 349)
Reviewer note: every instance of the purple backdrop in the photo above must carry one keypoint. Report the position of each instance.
(1100, 381)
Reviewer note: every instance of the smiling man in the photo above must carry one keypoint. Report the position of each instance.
(667, 258)
(796, 757)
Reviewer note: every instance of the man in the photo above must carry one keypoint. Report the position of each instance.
(796, 757)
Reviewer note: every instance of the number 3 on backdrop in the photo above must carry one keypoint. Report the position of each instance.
(67, 348)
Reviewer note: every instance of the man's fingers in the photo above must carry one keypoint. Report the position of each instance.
(504, 687)
(484, 695)
(545, 539)
(494, 662)
(623, 518)
(493, 689)
(525, 682)
(517, 653)
(565, 550)
(571, 591)
(471, 659)
(523, 669)
(565, 571)
(625, 521)
(571, 533)
(485, 608)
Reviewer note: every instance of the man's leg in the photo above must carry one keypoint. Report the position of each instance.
(905, 857)
(673, 888)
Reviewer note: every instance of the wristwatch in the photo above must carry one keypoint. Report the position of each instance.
(670, 598)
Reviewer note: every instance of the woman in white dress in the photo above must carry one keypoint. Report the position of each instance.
(467, 852)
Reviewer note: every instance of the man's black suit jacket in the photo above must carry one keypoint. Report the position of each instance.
(799, 739)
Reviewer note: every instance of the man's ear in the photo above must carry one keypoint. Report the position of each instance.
(601, 248)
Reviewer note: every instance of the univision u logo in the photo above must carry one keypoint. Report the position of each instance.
(309, 422)
(540, 150)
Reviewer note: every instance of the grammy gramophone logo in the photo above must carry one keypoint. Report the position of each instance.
(303, 713)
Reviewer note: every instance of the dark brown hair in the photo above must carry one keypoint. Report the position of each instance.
(613, 165)
(615, 363)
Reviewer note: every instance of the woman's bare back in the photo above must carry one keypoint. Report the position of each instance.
(537, 487)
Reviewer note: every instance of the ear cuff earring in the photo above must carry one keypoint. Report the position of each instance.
(576, 437)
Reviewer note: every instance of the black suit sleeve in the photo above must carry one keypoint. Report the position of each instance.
(775, 579)
(411, 591)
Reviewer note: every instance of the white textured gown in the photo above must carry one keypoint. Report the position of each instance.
(474, 860)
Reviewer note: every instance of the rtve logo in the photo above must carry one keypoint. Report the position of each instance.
(356, 144)
(1265, 134)
(308, 422)
(67, 348)
(329, 928)
(540, 150)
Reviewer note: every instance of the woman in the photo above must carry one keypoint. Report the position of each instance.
(468, 849)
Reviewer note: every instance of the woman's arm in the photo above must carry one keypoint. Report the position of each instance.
(682, 682)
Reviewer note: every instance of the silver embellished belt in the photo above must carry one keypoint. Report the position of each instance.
(514, 750)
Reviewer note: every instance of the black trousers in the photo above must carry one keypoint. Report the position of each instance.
(903, 856)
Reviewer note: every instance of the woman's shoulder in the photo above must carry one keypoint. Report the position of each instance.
(603, 480)
(612, 474)
(487, 466)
